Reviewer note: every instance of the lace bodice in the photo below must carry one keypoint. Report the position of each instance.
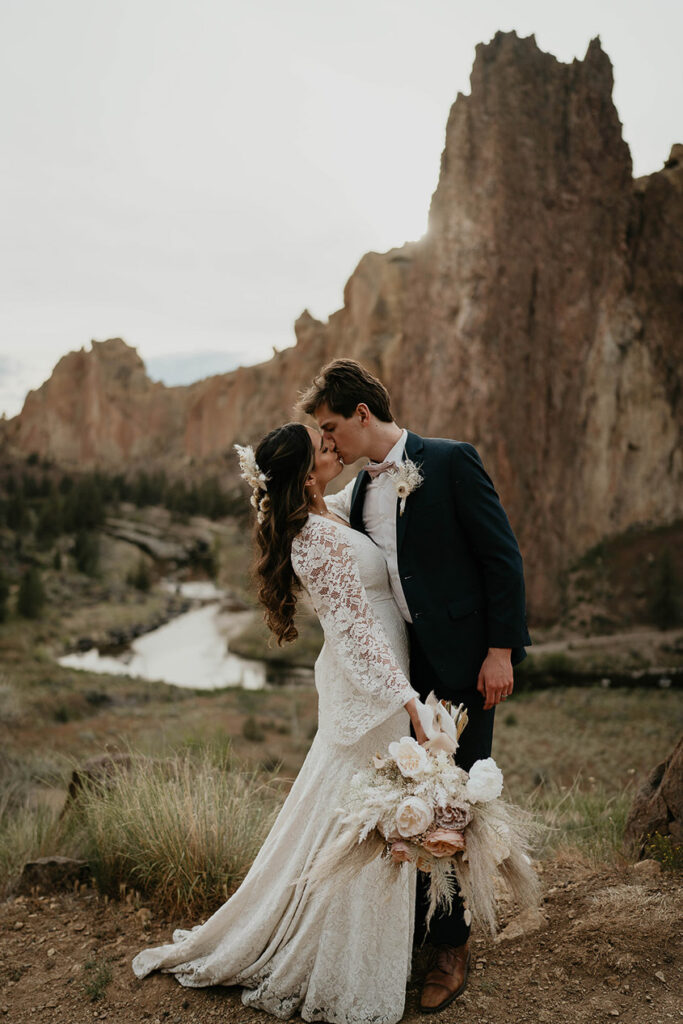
(360, 679)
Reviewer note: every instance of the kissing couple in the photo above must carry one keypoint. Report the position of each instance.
(417, 579)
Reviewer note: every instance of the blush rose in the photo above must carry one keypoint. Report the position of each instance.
(444, 842)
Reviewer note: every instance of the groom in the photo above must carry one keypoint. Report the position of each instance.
(456, 574)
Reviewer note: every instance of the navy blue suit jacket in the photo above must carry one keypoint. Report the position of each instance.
(459, 562)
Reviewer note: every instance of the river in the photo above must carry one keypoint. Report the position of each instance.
(191, 650)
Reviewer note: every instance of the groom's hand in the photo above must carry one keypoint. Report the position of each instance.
(495, 680)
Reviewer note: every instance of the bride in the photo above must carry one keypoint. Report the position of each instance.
(341, 957)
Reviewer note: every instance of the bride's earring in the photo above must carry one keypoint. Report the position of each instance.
(314, 494)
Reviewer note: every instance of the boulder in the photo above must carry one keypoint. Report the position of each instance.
(50, 874)
(648, 868)
(100, 770)
(658, 805)
(530, 920)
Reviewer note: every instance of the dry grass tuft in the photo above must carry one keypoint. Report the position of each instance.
(183, 832)
(653, 913)
(624, 903)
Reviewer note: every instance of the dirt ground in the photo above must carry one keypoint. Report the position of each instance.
(610, 950)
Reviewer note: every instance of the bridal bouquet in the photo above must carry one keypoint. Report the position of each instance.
(415, 804)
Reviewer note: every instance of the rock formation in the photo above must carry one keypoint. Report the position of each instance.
(539, 317)
(99, 408)
(658, 805)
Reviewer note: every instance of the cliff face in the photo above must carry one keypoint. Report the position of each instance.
(98, 408)
(540, 318)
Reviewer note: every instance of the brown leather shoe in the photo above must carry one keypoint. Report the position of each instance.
(447, 979)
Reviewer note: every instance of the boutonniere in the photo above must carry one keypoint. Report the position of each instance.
(406, 479)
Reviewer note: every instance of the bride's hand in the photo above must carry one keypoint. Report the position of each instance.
(420, 734)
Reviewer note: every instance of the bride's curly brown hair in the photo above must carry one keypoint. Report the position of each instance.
(286, 455)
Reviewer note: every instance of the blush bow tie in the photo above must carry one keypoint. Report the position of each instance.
(376, 469)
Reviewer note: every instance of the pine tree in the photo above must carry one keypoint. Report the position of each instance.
(17, 513)
(86, 551)
(31, 596)
(49, 524)
(4, 594)
(84, 506)
(665, 605)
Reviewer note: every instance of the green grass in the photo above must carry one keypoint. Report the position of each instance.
(582, 817)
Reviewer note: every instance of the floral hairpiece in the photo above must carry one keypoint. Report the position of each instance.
(255, 477)
(249, 468)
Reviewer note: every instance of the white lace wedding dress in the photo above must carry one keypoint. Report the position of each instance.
(342, 957)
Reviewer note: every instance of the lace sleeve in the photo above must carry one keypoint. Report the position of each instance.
(327, 567)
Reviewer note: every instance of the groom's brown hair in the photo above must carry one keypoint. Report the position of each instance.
(342, 385)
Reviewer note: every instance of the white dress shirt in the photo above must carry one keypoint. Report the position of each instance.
(379, 519)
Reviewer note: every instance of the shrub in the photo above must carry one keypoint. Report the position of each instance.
(97, 974)
(251, 730)
(141, 577)
(665, 850)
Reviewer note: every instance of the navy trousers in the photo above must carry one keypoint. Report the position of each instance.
(475, 743)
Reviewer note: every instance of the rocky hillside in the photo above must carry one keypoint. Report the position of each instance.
(539, 318)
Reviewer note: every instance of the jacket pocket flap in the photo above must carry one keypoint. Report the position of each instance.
(463, 606)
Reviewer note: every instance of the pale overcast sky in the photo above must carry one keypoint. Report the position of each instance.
(191, 175)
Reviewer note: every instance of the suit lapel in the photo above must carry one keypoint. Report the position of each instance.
(413, 449)
(357, 499)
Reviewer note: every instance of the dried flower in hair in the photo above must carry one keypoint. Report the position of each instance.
(249, 467)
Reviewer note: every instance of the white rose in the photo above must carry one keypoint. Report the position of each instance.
(413, 816)
(485, 782)
(411, 758)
